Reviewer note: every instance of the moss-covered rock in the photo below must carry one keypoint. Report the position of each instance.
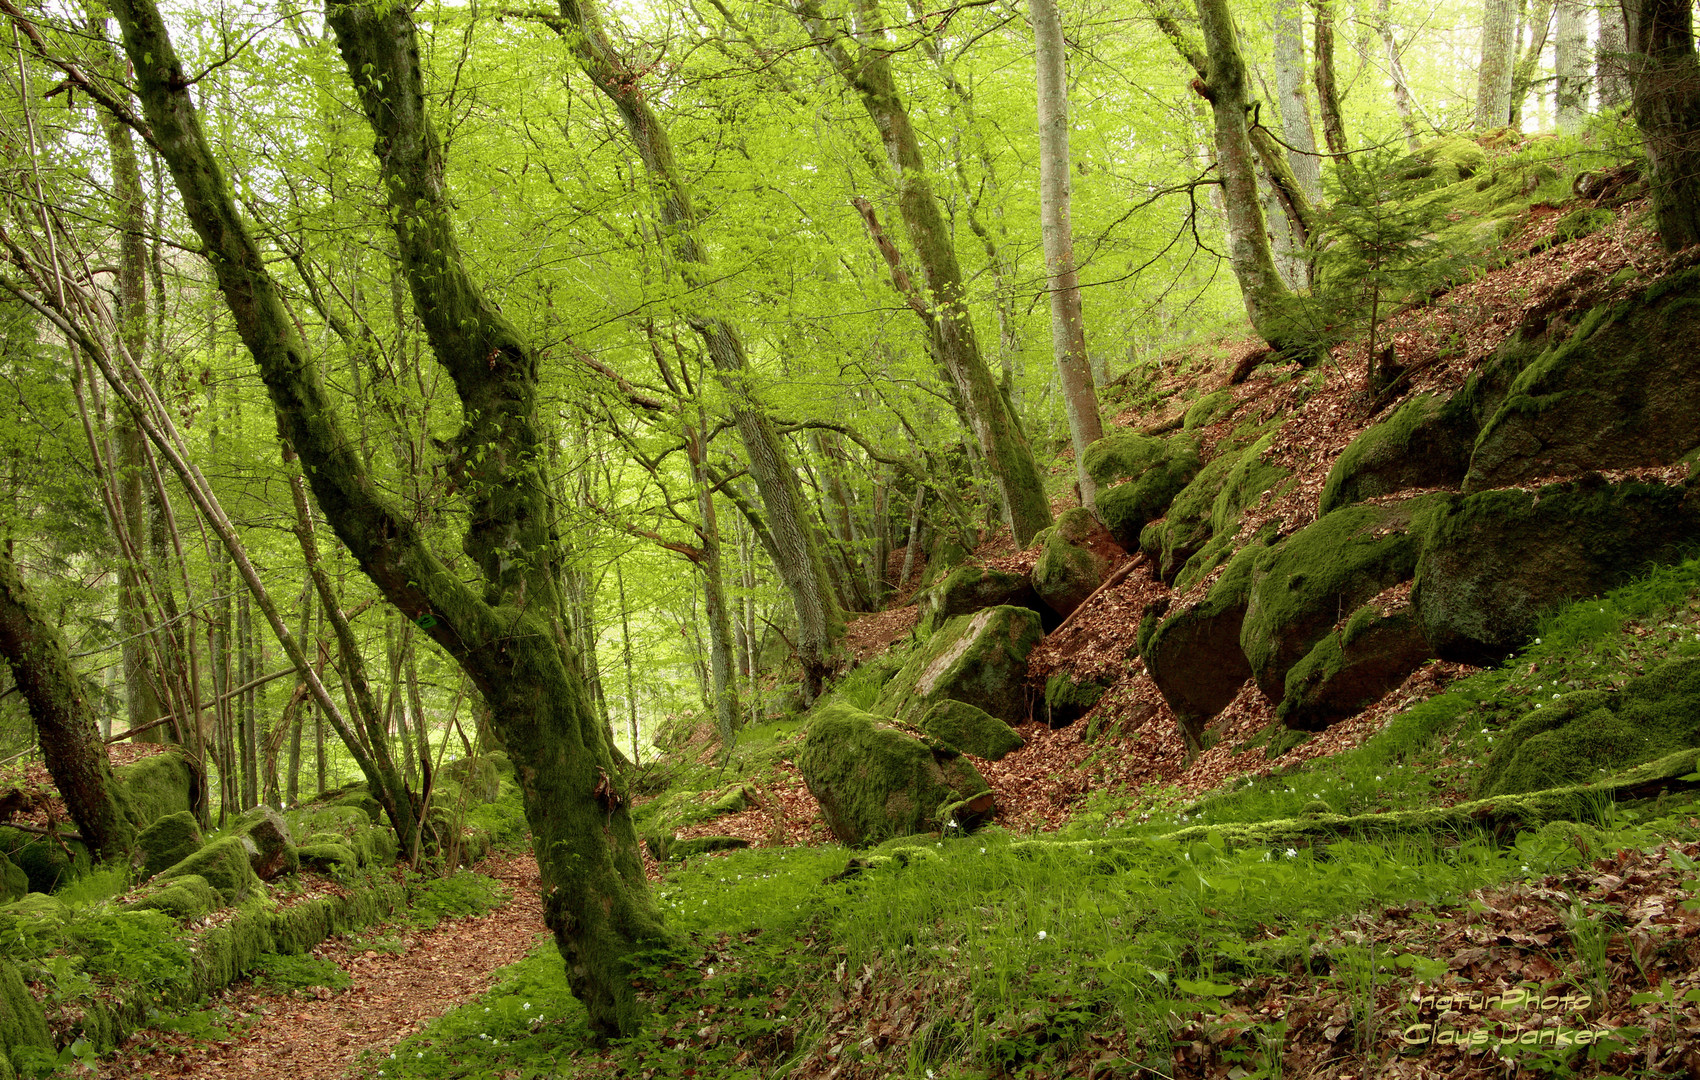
(1195, 656)
(225, 864)
(970, 729)
(1076, 558)
(46, 862)
(1127, 507)
(1497, 560)
(874, 782)
(327, 857)
(1209, 409)
(1587, 733)
(274, 847)
(1185, 527)
(157, 785)
(167, 842)
(973, 588)
(1121, 455)
(1425, 443)
(24, 1036)
(980, 659)
(187, 897)
(1579, 223)
(14, 883)
(1622, 390)
(946, 554)
(1441, 163)
(735, 799)
(1301, 587)
(1353, 668)
(477, 776)
(1252, 474)
(1068, 697)
(703, 845)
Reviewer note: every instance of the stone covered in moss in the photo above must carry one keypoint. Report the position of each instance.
(1425, 443)
(1353, 668)
(1244, 484)
(1195, 656)
(157, 785)
(1185, 527)
(45, 862)
(1441, 163)
(476, 776)
(1120, 455)
(24, 1036)
(1077, 556)
(1127, 507)
(327, 856)
(1069, 697)
(970, 729)
(168, 841)
(187, 897)
(274, 852)
(1497, 560)
(874, 782)
(973, 588)
(1301, 587)
(979, 658)
(226, 865)
(1579, 223)
(14, 883)
(946, 554)
(1622, 390)
(1209, 409)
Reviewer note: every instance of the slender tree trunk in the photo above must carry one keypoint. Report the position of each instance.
(1571, 63)
(1523, 73)
(1294, 104)
(997, 434)
(626, 654)
(1493, 74)
(1225, 87)
(1610, 68)
(1068, 322)
(1328, 94)
(1665, 79)
(723, 685)
(70, 738)
(1396, 72)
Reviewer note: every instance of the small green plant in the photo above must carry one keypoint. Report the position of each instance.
(278, 973)
(458, 895)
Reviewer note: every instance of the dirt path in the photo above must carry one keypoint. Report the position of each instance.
(393, 996)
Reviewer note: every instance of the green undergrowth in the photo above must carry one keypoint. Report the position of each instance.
(462, 894)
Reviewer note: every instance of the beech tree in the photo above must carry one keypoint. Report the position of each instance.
(508, 634)
(1664, 77)
(1498, 58)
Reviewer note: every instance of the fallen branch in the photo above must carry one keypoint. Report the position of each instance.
(1109, 583)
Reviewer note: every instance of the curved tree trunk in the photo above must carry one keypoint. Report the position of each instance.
(1068, 323)
(1328, 95)
(508, 635)
(1396, 71)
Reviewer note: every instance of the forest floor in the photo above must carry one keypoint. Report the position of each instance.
(404, 977)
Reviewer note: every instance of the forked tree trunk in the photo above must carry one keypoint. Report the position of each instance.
(1293, 103)
(507, 635)
(1328, 95)
(1068, 322)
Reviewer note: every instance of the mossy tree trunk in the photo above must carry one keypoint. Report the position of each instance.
(1005, 452)
(1328, 93)
(1664, 80)
(70, 738)
(796, 547)
(1226, 87)
(507, 635)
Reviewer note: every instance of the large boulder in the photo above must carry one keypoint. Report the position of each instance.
(274, 848)
(1497, 560)
(226, 864)
(158, 785)
(14, 883)
(1195, 656)
(1353, 667)
(1078, 554)
(1068, 696)
(1185, 528)
(973, 588)
(1121, 455)
(1622, 390)
(1579, 735)
(1251, 475)
(874, 782)
(1424, 444)
(1128, 506)
(24, 1035)
(46, 861)
(970, 729)
(168, 842)
(980, 659)
(1301, 587)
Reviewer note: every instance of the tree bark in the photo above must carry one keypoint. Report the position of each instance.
(1293, 103)
(1396, 71)
(1570, 59)
(1523, 72)
(1493, 75)
(1068, 322)
(1328, 95)
(1007, 456)
(1225, 87)
(70, 739)
(1610, 69)
(1664, 78)
(507, 636)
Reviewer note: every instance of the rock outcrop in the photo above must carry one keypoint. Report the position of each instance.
(980, 659)
(1078, 555)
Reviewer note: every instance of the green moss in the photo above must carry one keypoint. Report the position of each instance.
(979, 658)
(1121, 455)
(1249, 478)
(332, 857)
(1305, 584)
(1580, 223)
(1424, 443)
(158, 785)
(1127, 507)
(1067, 698)
(1208, 409)
(477, 776)
(969, 589)
(280, 972)
(45, 862)
(14, 883)
(168, 841)
(223, 864)
(187, 897)
(969, 729)
(22, 1025)
(1170, 542)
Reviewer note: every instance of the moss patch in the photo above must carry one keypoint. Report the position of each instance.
(1121, 455)
(168, 841)
(224, 864)
(1424, 443)
(979, 658)
(158, 785)
(1127, 507)
(970, 729)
